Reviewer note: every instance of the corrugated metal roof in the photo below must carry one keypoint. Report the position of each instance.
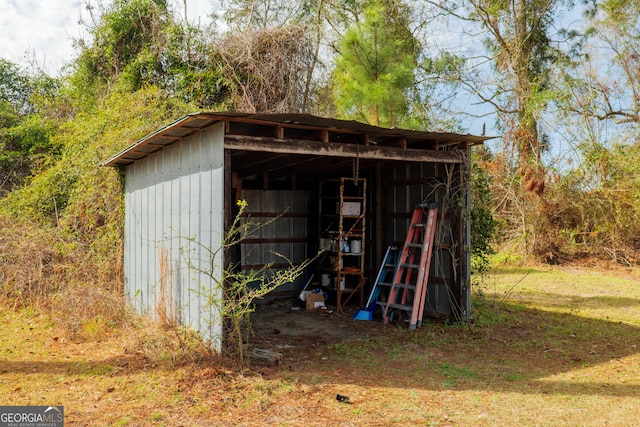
(294, 127)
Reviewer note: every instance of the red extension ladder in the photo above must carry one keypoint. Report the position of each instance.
(410, 279)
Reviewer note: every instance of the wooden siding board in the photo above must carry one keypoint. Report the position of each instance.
(405, 187)
(271, 145)
(276, 232)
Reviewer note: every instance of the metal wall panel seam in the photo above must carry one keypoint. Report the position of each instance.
(128, 230)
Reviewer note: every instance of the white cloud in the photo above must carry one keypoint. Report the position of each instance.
(44, 30)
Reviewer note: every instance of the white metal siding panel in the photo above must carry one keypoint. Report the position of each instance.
(131, 285)
(182, 232)
(172, 196)
(151, 261)
(160, 273)
(211, 217)
(138, 274)
(137, 283)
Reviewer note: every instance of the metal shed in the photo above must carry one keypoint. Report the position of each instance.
(182, 183)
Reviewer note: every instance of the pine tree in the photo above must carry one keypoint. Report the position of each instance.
(375, 65)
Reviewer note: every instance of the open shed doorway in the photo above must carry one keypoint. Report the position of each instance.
(285, 191)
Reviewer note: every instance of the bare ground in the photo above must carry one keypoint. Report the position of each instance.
(548, 347)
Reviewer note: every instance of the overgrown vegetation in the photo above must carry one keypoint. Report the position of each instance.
(233, 296)
(142, 66)
(26, 124)
(483, 224)
(61, 234)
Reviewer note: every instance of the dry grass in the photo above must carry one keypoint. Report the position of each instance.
(31, 265)
(44, 270)
(558, 348)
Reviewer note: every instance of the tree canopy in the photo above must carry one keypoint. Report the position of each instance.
(384, 62)
(375, 65)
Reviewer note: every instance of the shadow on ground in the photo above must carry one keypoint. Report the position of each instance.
(511, 349)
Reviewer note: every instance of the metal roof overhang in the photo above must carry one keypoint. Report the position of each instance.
(282, 144)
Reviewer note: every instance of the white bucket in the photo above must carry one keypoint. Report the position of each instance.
(356, 246)
(325, 280)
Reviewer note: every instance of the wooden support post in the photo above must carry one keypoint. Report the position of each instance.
(237, 185)
(379, 225)
(324, 135)
(279, 132)
(229, 205)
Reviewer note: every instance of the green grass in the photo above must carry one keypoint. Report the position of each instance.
(547, 347)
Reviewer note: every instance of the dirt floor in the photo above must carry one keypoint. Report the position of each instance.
(286, 327)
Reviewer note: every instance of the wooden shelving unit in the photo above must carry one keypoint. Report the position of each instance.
(343, 205)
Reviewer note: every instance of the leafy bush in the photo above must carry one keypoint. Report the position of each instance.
(25, 127)
(483, 225)
(61, 232)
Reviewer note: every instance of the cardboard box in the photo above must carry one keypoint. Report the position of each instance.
(349, 208)
(315, 301)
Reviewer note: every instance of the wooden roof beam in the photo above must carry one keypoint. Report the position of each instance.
(314, 148)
